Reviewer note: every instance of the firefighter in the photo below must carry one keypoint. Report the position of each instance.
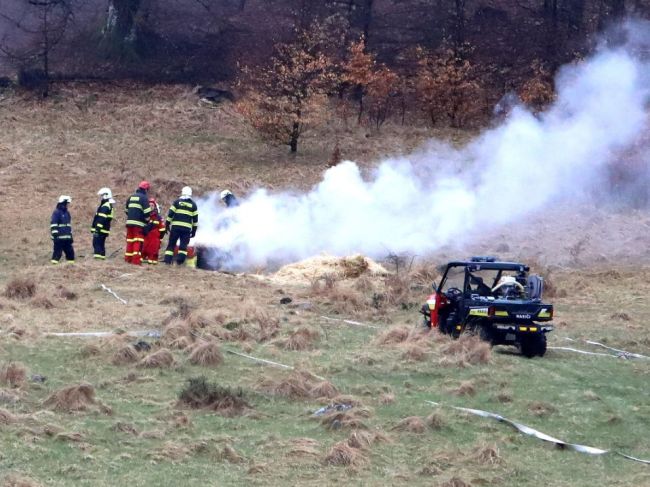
(229, 199)
(156, 233)
(137, 216)
(101, 226)
(61, 231)
(182, 222)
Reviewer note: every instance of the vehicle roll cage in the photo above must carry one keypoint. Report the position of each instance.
(474, 266)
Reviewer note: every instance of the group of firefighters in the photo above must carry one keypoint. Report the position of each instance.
(145, 226)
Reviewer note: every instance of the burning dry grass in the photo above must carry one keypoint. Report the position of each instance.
(161, 359)
(206, 354)
(13, 374)
(125, 355)
(72, 398)
(342, 454)
(298, 384)
(201, 394)
(467, 350)
(20, 288)
(301, 339)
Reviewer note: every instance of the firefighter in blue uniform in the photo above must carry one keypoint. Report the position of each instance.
(182, 222)
(61, 231)
(101, 226)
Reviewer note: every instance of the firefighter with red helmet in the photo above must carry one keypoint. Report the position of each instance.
(137, 217)
(156, 232)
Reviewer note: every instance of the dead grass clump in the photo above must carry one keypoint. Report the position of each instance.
(42, 301)
(323, 389)
(298, 384)
(303, 447)
(455, 482)
(19, 481)
(6, 417)
(181, 343)
(13, 374)
(206, 354)
(175, 330)
(353, 267)
(230, 455)
(415, 353)
(221, 333)
(466, 388)
(199, 321)
(125, 355)
(90, 350)
(301, 339)
(435, 421)
(66, 294)
(539, 408)
(125, 428)
(170, 451)
(363, 440)
(342, 454)
(467, 350)
(201, 394)
(487, 455)
(163, 358)
(72, 398)
(20, 288)
(412, 424)
(347, 419)
(396, 334)
(387, 398)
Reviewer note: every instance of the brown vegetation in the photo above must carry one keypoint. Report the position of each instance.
(6, 417)
(72, 398)
(13, 374)
(412, 424)
(163, 358)
(206, 354)
(467, 350)
(298, 384)
(20, 288)
(201, 394)
(342, 454)
(125, 355)
(300, 339)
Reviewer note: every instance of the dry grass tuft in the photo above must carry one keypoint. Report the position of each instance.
(170, 450)
(348, 419)
(342, 454)
(6, 417)
(415, 353)
(201, 394)
(20, 288)
(13, 480)
(396, 334)
(163, 358)
(455, 482)
(125, 355)
(230, 455)
(303, 447)
(72, 398)
(125, 428)
(42, 301)
(175, 330)
(73, 437)
(467, 350)
(66, 294)
(466, 388)
(181, 343)
(13, 374)
(363, 440)
(412, 424)
(206, 354)
(90, 350)
(257, 468)
(539, 408)
(301, 339)
(387, 398)
(435, 421)
(267, 326)
(353, 267)
(298, 384)
(487, 455)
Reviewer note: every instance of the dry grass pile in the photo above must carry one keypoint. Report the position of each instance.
(363, 440)
(13, 480)
(266, 325)
(465, 388)
(161, 359)
(13, 374)
(72, 398)
(6, 417)
(394, 335)
(303, 447)
(487, 455)
(467, 350)
(42, 301)
(455, 482)
(170, 450)
(415, 353)
(231, 455)
(124, 355)
(342, 454)
(539, 408)
(306, 271)
(435, 421)
(297, 385)
(201, 394)
(177, 334)
(206, 354)
(412, 424)
(346, 419)
(20, 288)
(300, 339)
(65, 293)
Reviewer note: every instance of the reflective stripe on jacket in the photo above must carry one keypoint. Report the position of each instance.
(103, 217)
(137, 209)
(61, 223)
(183, 214)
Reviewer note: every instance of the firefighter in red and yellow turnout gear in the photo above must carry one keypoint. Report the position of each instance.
(156, 232)
(137, 217)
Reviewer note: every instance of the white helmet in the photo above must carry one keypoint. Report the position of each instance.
(186, 191)
(106, 193)
(65, 199)
(225, 193)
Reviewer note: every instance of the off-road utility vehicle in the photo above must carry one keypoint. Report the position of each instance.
(499, 301)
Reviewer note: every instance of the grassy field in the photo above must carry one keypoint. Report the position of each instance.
(134, 431)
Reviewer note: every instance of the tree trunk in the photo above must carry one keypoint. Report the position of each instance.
(120, 28)
(295, 134)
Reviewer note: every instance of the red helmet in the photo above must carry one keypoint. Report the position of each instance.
(144, 185)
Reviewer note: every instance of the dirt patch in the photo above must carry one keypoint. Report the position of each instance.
(13, 374)
(201, 394)
(161, 359)
(206, 354)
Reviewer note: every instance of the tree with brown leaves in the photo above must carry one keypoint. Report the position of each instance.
(538, 92)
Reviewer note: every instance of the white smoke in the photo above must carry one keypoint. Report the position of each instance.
(440, 194)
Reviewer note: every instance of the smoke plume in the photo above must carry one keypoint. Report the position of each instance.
(440, 194)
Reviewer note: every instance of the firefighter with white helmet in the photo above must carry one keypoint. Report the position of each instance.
(182, 223)
(61, 231)
(101, 225)
(229, 198)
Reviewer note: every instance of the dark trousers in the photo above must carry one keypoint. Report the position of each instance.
(61, 246)
(99, 246)
(181, 236)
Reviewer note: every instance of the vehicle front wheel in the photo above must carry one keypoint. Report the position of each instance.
(533, 345)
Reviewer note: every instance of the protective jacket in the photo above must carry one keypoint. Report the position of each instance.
(183, 216)
(61, 223)
(137, 209)
(103, 217)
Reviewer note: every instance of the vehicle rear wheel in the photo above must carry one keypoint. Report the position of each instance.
(533, 345)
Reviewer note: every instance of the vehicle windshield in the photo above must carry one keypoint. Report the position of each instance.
(455, 278)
